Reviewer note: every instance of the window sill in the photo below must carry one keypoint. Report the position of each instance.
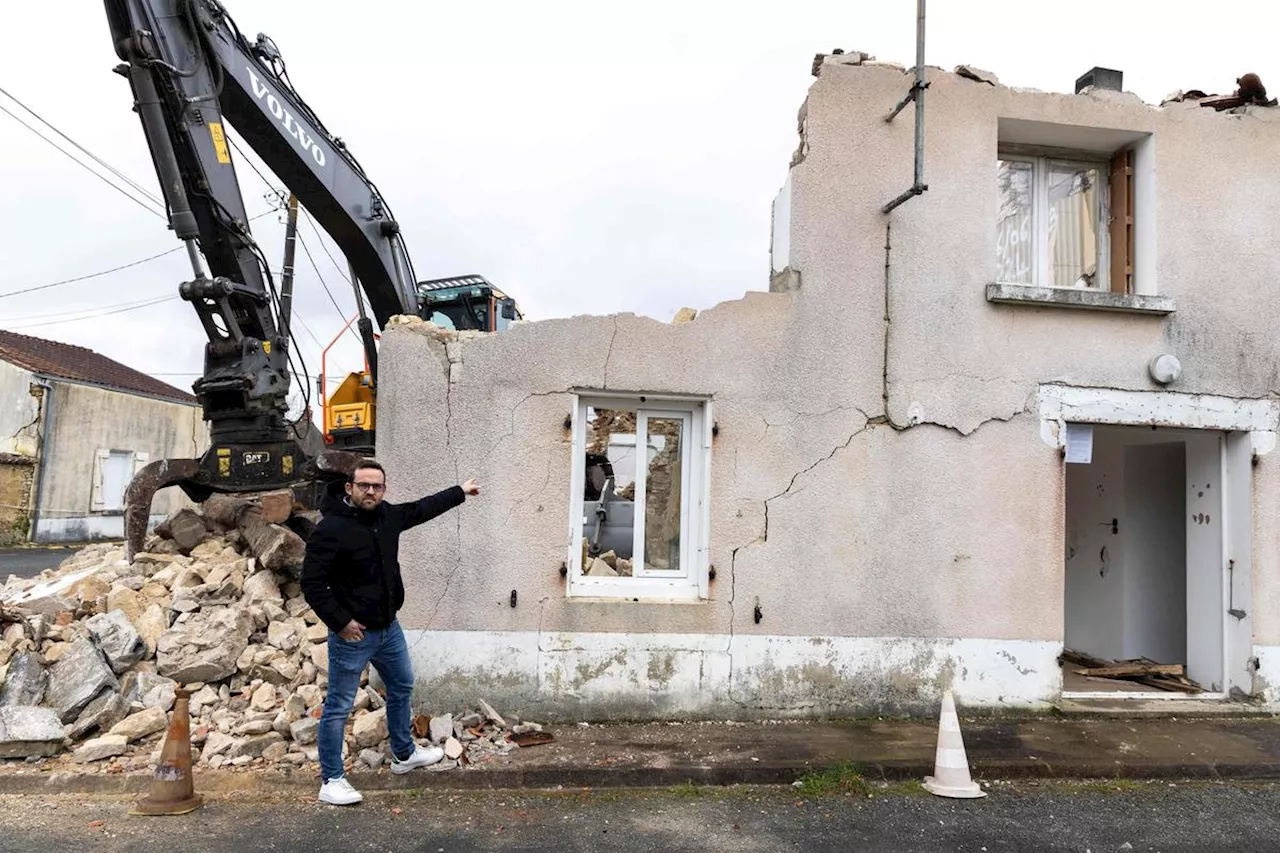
(1089, 300)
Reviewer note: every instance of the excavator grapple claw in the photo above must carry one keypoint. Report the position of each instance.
(194, 478)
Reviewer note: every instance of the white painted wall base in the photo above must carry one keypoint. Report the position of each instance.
(663, 676)
(89, 528)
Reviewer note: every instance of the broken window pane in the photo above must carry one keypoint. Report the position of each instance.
(1015, 246)
(662, 494)
(1073, 226)
(608, 508)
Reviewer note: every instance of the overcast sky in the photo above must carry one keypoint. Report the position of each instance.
(587, 157)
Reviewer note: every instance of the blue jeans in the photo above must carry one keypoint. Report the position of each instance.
(388, 652)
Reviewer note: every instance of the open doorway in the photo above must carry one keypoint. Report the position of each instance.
(1144, 582)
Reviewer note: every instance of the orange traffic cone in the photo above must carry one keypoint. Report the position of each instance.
(951, 765)
(172, 789)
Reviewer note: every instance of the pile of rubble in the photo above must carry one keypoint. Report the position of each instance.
(91, 654)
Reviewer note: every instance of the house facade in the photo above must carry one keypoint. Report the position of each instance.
(74, 427)
(1030, 410)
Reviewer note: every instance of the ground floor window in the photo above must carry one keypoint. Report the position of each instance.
(112, 471)
(638, 519)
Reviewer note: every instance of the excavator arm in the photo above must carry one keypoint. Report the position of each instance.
(190, 70)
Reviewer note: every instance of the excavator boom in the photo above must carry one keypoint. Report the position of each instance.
(190, 70)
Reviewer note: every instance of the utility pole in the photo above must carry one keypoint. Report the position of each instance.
(286, 283)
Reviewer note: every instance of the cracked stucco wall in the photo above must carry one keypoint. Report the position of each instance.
(879, 483)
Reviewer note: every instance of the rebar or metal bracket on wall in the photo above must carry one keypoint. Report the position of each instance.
(916, 94)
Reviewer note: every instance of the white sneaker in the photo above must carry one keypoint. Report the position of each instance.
(338, 792)
(422, 756)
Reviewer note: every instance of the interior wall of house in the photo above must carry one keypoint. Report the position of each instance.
(1155, 570)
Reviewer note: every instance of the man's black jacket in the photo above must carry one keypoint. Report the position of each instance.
(352, 566)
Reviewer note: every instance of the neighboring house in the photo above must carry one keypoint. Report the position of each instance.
(1030, 409)
(74, 427)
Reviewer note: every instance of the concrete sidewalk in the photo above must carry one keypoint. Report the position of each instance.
(664, 754)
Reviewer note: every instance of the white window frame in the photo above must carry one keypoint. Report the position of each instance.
(1040, 165)
(97, 498)
(691, 581)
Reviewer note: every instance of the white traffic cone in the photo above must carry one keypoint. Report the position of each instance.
(951, 765)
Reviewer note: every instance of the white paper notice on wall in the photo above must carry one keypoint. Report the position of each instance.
(1080, 443)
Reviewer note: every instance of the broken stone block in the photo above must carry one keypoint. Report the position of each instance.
(375, 698)
(117, 638)
(217, 743)
(77, 679)
(126, 600)
(283, 635)
(372, 758)
(452, 748)
(684, 315)
(149, 690)
(25, 681)
(262, 587)
(139, 725)
(370, 729)
(318, 632)
(977, 74)
(150, 625)
(304, 730)
(27, 731)
(187, 530)
(99, 715)
(264, 698)
(320, 656)
(89, 589)
(107, 746)
(441, 728)
(254, 727)
(253, 747)
(276, 506)
(275, 751)
(491, 714)
(205, 647)
(600, 569)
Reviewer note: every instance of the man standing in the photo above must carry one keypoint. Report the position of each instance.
(351, 579)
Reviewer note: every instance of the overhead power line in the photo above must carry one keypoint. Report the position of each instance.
(84, 165)
(108, 271)
(150, 196)
(97, 314)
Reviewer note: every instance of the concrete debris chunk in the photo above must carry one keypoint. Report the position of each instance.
(488, 711)
(141, 724)
(77, 679)
(99, 715)
(370, 729)
(441, 728)
(372, 758)
(107, 746)
(25, 681)
(117, 638)
(206, 647)
(27, 731)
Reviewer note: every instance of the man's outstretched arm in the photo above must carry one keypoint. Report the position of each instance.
(425, 509)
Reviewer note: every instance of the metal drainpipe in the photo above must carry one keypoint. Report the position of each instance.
(46, 429)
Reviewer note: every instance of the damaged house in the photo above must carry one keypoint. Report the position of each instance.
(1028, 411)
(76, 425)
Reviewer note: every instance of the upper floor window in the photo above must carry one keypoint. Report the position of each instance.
(1064, 221)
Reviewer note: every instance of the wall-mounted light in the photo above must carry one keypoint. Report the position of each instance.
(1164, 368)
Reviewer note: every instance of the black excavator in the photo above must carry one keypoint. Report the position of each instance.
(190, 69)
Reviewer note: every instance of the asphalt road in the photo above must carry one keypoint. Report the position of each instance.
(1024, 817)
(29, 562)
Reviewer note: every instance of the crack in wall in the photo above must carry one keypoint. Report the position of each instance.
(511, 426)
(609, 355)
(538, 492)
